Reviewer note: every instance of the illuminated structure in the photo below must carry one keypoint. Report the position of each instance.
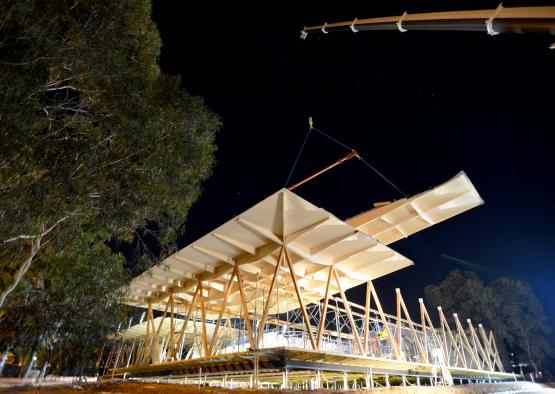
(261, 301)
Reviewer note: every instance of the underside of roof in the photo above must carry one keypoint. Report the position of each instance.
(313, 239)
(401, 218)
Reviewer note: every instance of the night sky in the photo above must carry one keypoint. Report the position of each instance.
(419, 106)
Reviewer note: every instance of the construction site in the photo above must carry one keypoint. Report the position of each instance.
(284, 295)
(260, 302)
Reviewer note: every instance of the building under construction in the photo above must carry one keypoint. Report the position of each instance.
(260, 301)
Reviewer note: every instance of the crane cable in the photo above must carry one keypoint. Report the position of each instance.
(311, 127)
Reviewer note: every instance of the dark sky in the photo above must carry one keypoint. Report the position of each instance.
(419, 106)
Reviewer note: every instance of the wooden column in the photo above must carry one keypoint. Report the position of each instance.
(427, 319)
(157, 335)
(268, 301)
(424, 331)
(402, 305)
(181, 336)
(367, 317)
(147, 334)
(220, 315)
(384, 322)
(399, 331)
(324, 310)
(244, 305)
(349, 313)
(466, 344)
(300, 299)
(172, 327)
(445, 327)
(478, 345)
(496, 353)
(487, 344)
(203, 319)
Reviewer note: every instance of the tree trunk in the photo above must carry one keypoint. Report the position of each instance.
(3, 361)
(22, 270)
(529, 352)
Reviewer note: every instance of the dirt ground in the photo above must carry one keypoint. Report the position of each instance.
(151, 388)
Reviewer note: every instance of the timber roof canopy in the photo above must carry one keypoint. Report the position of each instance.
(312, 238)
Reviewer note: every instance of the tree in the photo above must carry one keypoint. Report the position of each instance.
(65, 307)
(522, 315)
(95, 142)
(91, 131)
(508, 306)
(461, 292)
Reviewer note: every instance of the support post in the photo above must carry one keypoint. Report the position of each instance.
(427, 319)
(466, 344)
(349, 313)
(220, 315)
(478, 346)
(147, 334)
(203, 318)
(267, 305)
(399, 332)
(244, 305)
(181, 336)
(402, 306)
(445, 327)
(157, 335)
(172, 327)
(325, 310)
(496, 353)
(300, 299)
(367, 317)
(384, 321)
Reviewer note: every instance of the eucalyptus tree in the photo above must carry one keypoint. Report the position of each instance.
(93, 135)
(95, 141)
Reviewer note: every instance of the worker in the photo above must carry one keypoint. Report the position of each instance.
(374, 344)
(384, 341)
(383, 334)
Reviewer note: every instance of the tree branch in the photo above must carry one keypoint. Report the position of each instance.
(35, 246)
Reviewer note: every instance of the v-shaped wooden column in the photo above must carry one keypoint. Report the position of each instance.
(445, 329)
(349, 313)
(244, 306)
(260, 332)
(392, 340)
(402, 307)
(322, 324)
(300, 299)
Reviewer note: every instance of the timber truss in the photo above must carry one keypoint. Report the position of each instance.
(264, 295)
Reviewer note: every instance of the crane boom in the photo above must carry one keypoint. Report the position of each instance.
(492, 21)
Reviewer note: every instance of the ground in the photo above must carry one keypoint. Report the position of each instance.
(150, 388)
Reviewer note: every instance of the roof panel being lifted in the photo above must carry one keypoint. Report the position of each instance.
(314, 240)
(401, 218)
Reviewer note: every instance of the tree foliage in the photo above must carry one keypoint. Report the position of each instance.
(66, 306)
(95, 143)
(508, 306)
(521, 314)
